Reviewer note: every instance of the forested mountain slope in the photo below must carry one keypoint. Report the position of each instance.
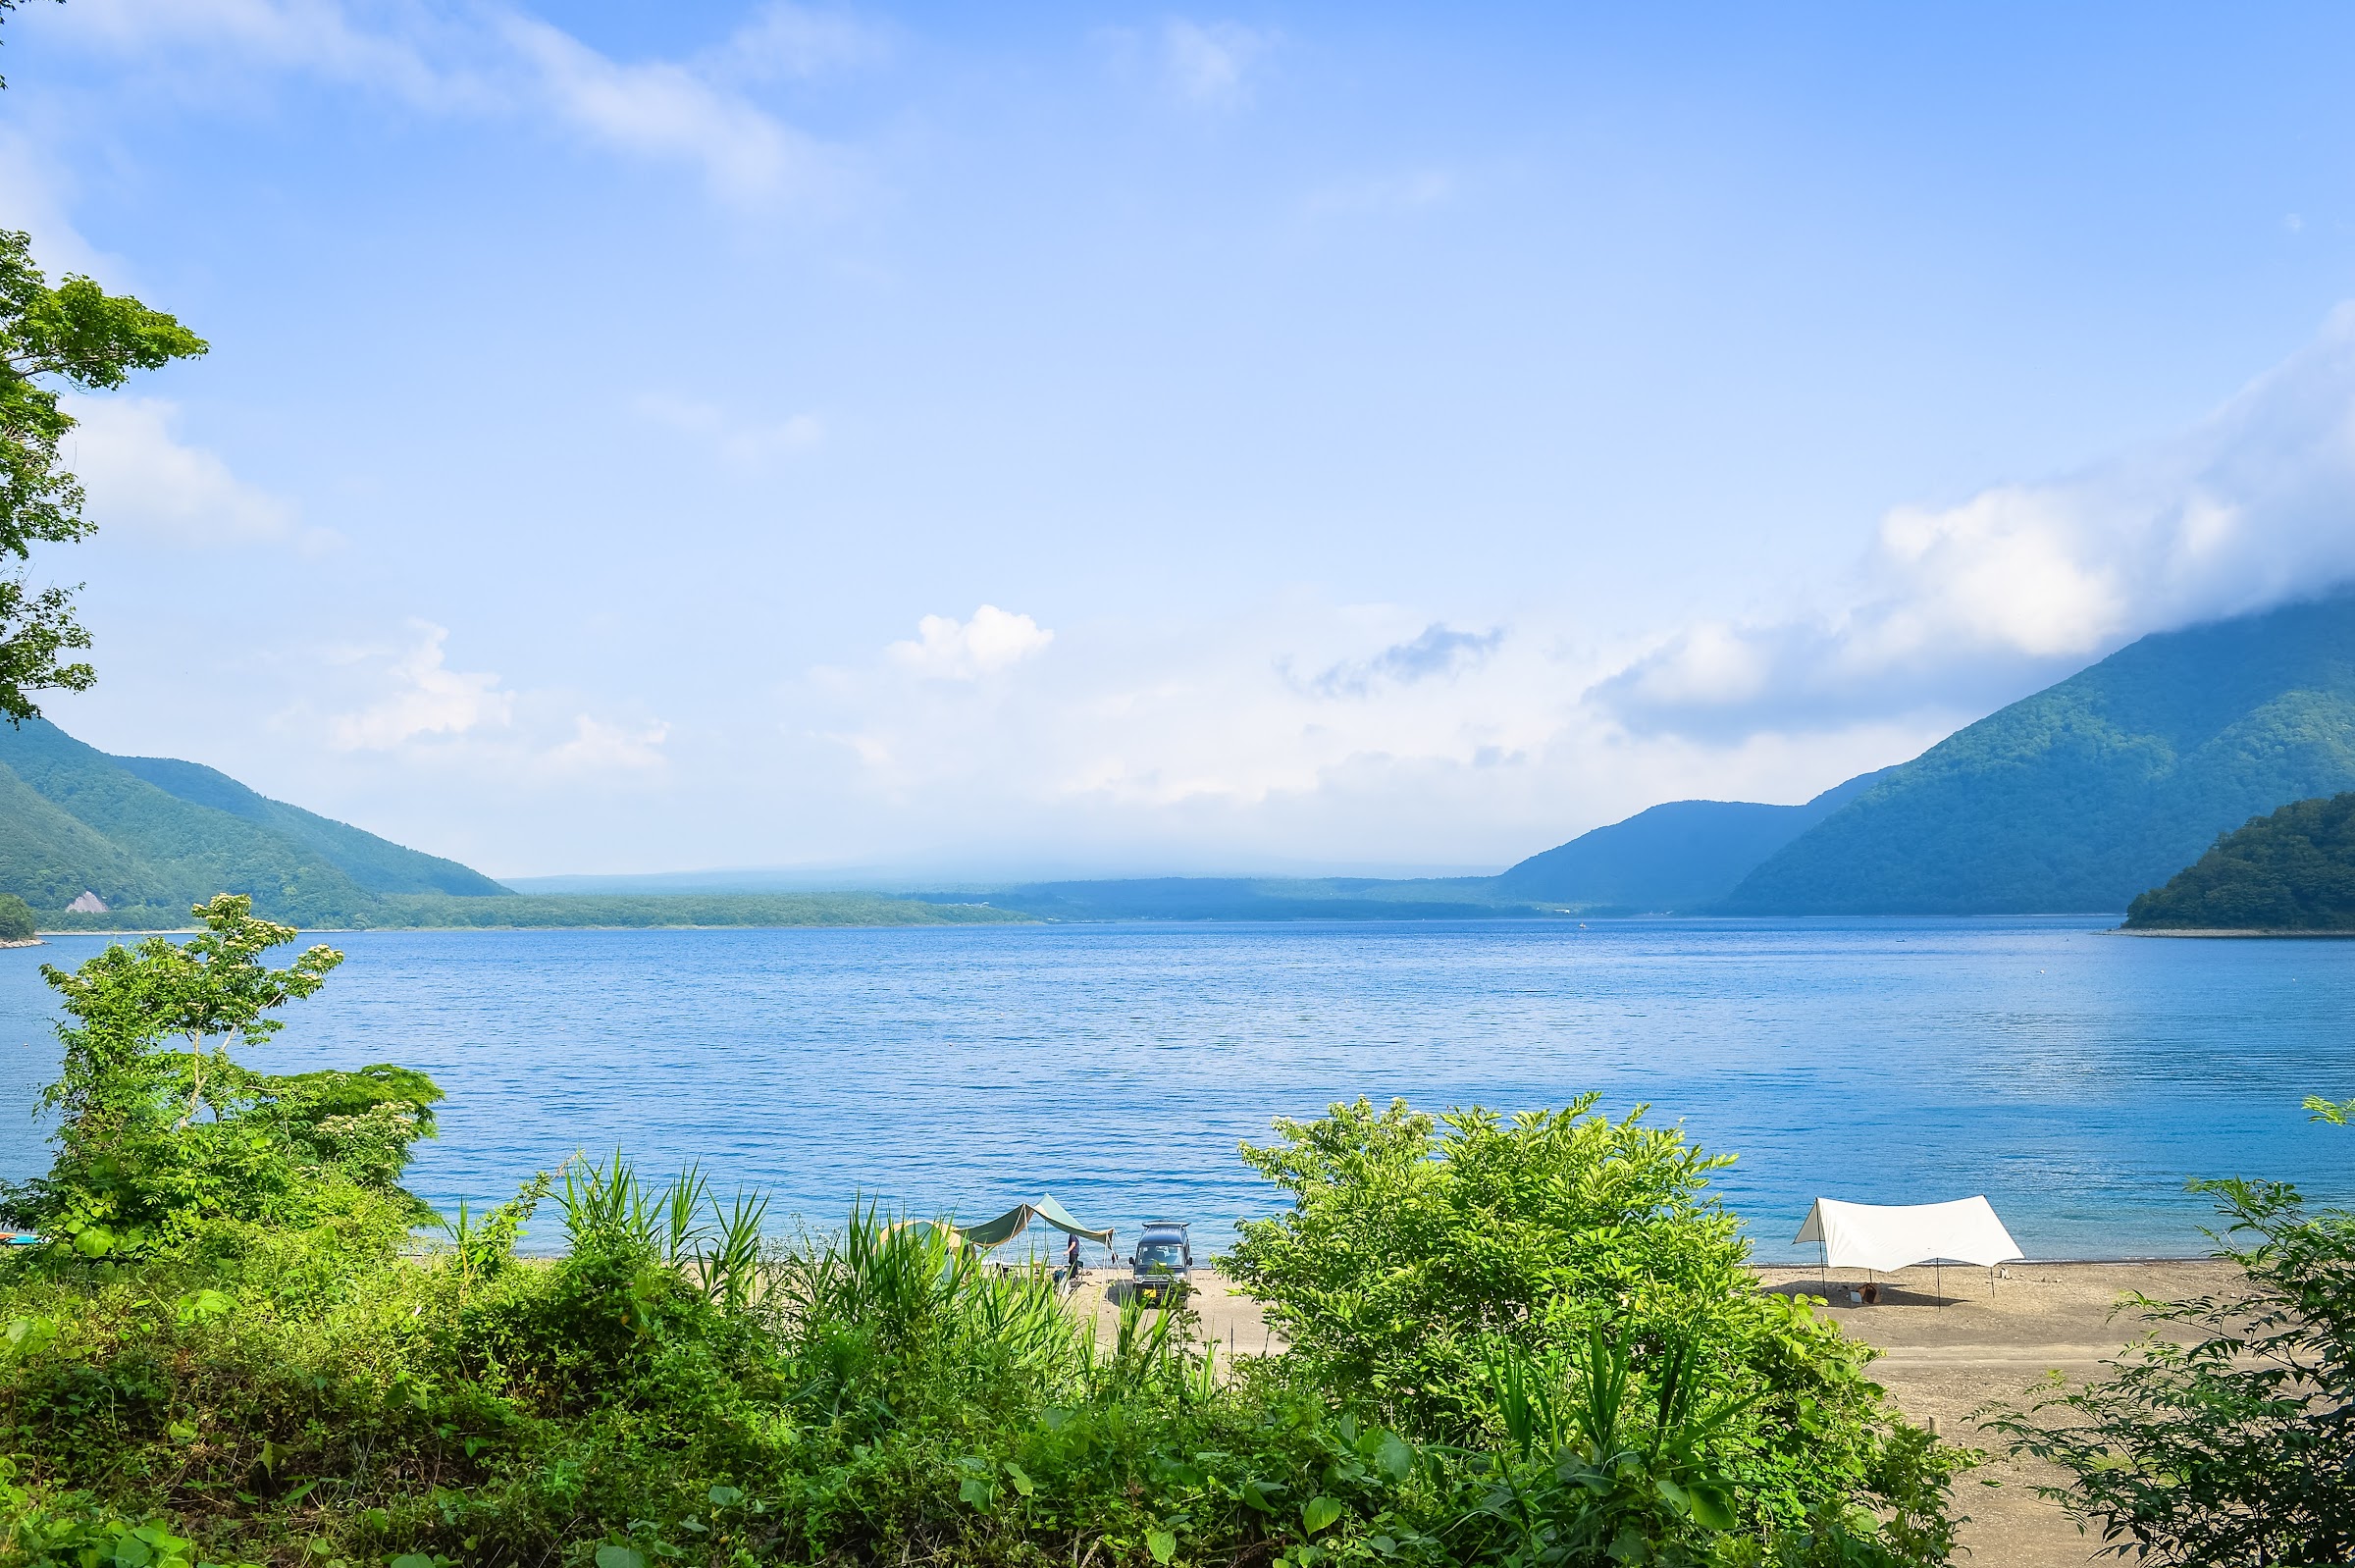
(377, 864)
(2291, 871)
(2093, 790)
(148, 833)
(1680, 857)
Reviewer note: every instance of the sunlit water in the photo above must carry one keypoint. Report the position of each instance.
(2077, 1078)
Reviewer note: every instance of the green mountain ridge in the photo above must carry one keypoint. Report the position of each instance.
(1681, 857)
(2076, 798)
(2293, 870)
(151, 836)
(375, 865)
(149, 833)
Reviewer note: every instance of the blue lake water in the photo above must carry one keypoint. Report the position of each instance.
(2076, 1077)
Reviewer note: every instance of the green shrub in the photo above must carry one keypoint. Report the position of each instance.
(15, 919)
(2227, 1437)
(1413, 1259)
(162, 1133)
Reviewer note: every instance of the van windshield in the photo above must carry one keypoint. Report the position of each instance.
(1158, 1255)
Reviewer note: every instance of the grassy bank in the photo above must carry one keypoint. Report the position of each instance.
(440, 911)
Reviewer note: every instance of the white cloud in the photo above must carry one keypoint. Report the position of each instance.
(794, 42)
(1438, 651)
(423, 696)
(33, 186)
(949, 649)
(1967, 606)
(142, 479)
(408, 701)
(1211, 63)
(747, 443)
(1193, 746)
(601, 748)
(664, 109)
(315, 36)
(496, 61)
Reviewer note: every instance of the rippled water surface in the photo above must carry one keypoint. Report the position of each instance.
(2076, 1077)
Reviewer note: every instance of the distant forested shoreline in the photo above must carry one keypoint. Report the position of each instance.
(544, 911)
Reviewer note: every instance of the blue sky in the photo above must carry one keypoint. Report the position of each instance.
(1087, 438)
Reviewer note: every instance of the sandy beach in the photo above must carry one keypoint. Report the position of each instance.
(1948, 1344)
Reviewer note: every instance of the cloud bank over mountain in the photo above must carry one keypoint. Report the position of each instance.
(2253, 507)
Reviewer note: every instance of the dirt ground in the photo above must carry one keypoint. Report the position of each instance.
(1950, 1341)
(1945, 1353)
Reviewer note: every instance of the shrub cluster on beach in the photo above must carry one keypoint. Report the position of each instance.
(1527, 1342)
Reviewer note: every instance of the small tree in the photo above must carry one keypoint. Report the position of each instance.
(15, 919)
(73, 334)
(2235, 1446)
(161, 1128)
(208, 991)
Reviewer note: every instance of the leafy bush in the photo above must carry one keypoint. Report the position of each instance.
(15, 919)
(2234, 1445)
(1413, 1260)
(161, 1132)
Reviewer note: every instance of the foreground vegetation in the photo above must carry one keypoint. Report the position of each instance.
(2227, 1436)
(228, 1349)
(1526, 1343)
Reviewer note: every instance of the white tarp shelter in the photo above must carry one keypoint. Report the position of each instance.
(1890, 1237)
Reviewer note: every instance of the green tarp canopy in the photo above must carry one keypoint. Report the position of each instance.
(1016, 1220)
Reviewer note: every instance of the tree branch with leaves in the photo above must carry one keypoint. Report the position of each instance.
(75, 336)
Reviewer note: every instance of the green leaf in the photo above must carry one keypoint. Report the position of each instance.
(1162, 1544)
(1255, 1495)
(133, 1552)
(1318, 1512)
(1021, 1478)
(610, 1557)
(202, 1306)
(725, 1496)
(1397, 1459)
(1712, 1509)
(412, 1559)
(29, 1337)
(977, 1492)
